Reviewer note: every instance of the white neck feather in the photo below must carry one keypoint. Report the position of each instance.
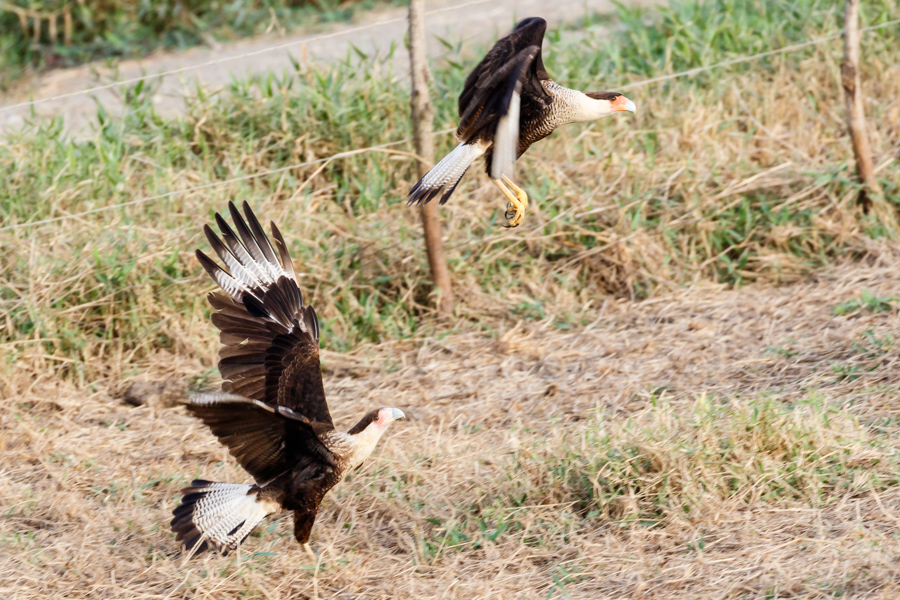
(363, 443)
(587, 108)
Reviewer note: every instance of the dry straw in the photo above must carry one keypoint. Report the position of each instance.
(481, 494)
(564, 440)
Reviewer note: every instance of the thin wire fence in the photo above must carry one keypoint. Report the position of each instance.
(743, 59)
(224, 59)
(349, 153)
(213, 184)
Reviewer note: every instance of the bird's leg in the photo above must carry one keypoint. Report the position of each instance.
(309, 551)
(521, 196)
(515, 200)
(506, 192)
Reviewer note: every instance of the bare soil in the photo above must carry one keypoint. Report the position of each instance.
(88, 482)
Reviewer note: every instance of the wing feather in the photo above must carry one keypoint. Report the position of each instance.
(489, 87)
(229, 284)
(506, 136)
(286, 262)
(270, 339)
(240, 251)
(264, 244)
(265, 440)
(252, 245)
(231, 261)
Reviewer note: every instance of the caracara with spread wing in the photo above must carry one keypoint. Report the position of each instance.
(508, 103)
(271, 412)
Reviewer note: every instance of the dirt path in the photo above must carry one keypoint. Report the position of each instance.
(454, 19)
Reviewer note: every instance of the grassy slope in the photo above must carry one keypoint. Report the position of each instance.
(756, 427)
(729, 177)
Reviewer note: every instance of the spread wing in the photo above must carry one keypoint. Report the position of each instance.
(266, 440)
(270, 340)
(508, 76)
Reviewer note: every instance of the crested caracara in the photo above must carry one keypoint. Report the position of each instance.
(271, 412)
(508, 103)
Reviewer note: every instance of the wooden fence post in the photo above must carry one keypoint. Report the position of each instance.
(422, 117)
(871, 195)
(38, 17)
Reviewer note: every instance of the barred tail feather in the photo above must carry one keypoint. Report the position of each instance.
(220, 515)
(445, 176)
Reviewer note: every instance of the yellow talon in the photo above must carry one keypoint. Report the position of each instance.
(517, 197)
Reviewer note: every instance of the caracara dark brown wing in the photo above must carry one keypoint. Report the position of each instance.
(483, 80)
(270, 340)
(271, 415)
(266, 440)
(504, 90)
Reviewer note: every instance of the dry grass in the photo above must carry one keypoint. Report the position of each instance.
(720, 438)
(737, 179)
(479, 495)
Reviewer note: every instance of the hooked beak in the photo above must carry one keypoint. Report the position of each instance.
(397, 414)
(623, 104)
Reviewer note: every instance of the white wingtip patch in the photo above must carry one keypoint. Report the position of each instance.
(215, 397)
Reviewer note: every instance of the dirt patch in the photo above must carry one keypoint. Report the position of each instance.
(88, 483)
(780, 340)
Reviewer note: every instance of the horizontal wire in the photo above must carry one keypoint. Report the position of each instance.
(224, 59)
(357, 29)
(206, 186)
(349, 153)
(743, 59)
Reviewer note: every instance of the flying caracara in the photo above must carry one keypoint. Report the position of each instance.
(508, 103)
(271, 412)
